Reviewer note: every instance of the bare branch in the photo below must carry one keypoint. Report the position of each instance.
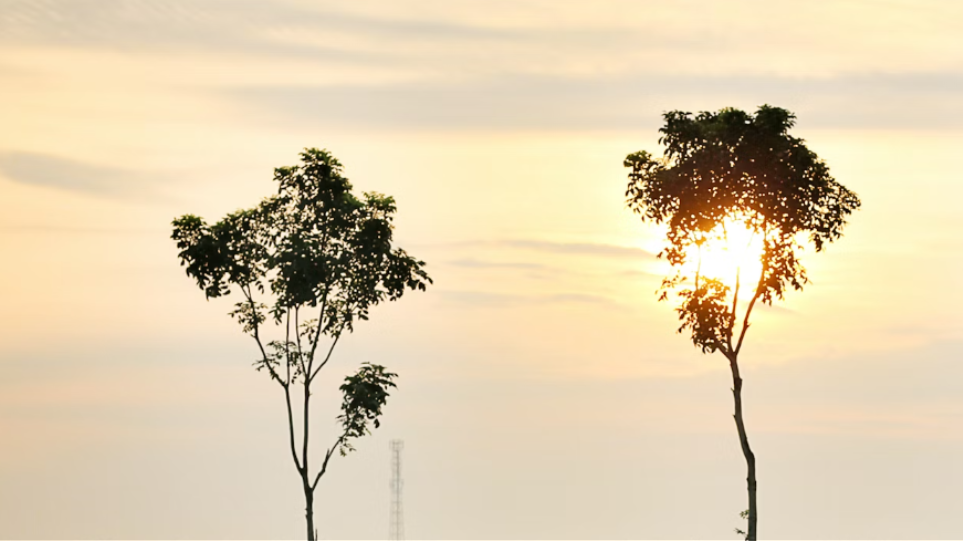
(307, 411)
(327, 457)
(732, 318)
(324, 302)
(297, 334)
(294, 452)
(755, 296)
(257, 338)
(328, 356)
(287, 342)
(317, 332)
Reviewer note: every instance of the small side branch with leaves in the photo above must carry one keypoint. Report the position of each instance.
(364, 394)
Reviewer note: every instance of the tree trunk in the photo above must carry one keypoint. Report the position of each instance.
(746, 451)
(309, 511)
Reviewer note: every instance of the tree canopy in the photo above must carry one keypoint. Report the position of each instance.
(322, 258)
(733, 169)
(314, 243)
(731, 165)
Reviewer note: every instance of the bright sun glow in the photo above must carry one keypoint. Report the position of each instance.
(733, 250)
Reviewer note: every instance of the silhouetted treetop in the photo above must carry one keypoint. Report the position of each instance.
(734, 165)
(312, 243)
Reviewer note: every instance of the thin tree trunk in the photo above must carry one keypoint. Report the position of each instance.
(308, 489)
(746, 451)
(309, 510)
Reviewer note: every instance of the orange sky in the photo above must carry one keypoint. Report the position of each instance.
(543, 391)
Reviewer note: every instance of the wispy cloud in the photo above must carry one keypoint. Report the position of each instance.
(63, 173)
(55, 230)
(479, 264)
(483, 298)
(491, 37)
(629, 102)
(532, 245)
(524, 65)
(580, 248)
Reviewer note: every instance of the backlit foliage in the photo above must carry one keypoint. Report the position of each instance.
(733, 166)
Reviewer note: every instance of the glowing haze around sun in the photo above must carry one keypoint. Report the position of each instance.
(731, 250)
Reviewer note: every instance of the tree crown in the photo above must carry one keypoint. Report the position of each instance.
(726, 166)
(313, 243)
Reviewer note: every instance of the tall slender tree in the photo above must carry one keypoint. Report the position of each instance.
(724, 170)
(322, 258)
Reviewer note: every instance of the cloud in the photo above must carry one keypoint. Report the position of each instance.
(278, 28)
(62, 173)
(478, 264)
(776, 308)
(483, 298)
(500, 38)
(541, 102)
(525, 65)
(565, 248)
(58, 230)
(580, 248)
(636, 273)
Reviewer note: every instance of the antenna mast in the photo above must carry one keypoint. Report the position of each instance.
(396, 529)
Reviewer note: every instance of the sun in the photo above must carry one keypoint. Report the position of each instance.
(732, 251)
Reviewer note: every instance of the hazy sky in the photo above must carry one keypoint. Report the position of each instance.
(543, 392)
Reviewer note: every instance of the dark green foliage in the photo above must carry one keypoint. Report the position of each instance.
(364, 395)
(312, 248)
(314, 243)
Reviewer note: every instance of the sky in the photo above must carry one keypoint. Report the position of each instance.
(543, 392)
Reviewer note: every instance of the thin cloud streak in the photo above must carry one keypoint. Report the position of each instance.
(46, 170)
(565, 248)
(478, 264)
(30, 229)
(624, 103)
(488, 299)
(517, 37)
(580, 248)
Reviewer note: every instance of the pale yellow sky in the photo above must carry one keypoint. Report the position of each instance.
(543, 392)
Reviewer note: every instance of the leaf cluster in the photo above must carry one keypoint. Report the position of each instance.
(313, 244)
(705, 311)
(364, 394)
(732, 165)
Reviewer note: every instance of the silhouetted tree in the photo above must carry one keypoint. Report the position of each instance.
(322, 258)
(724, 167)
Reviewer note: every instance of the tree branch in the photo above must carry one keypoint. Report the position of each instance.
(732, 318)
(755, 296)
(306, 415)
(287, 349)
(257, 338)
(317, 332)
(297, 336)
(324, 300)
(294, 452)
(327, 457)
(287, 390)
(328, 356)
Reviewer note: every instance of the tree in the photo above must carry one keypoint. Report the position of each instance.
(720, 172)
(322, 258)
